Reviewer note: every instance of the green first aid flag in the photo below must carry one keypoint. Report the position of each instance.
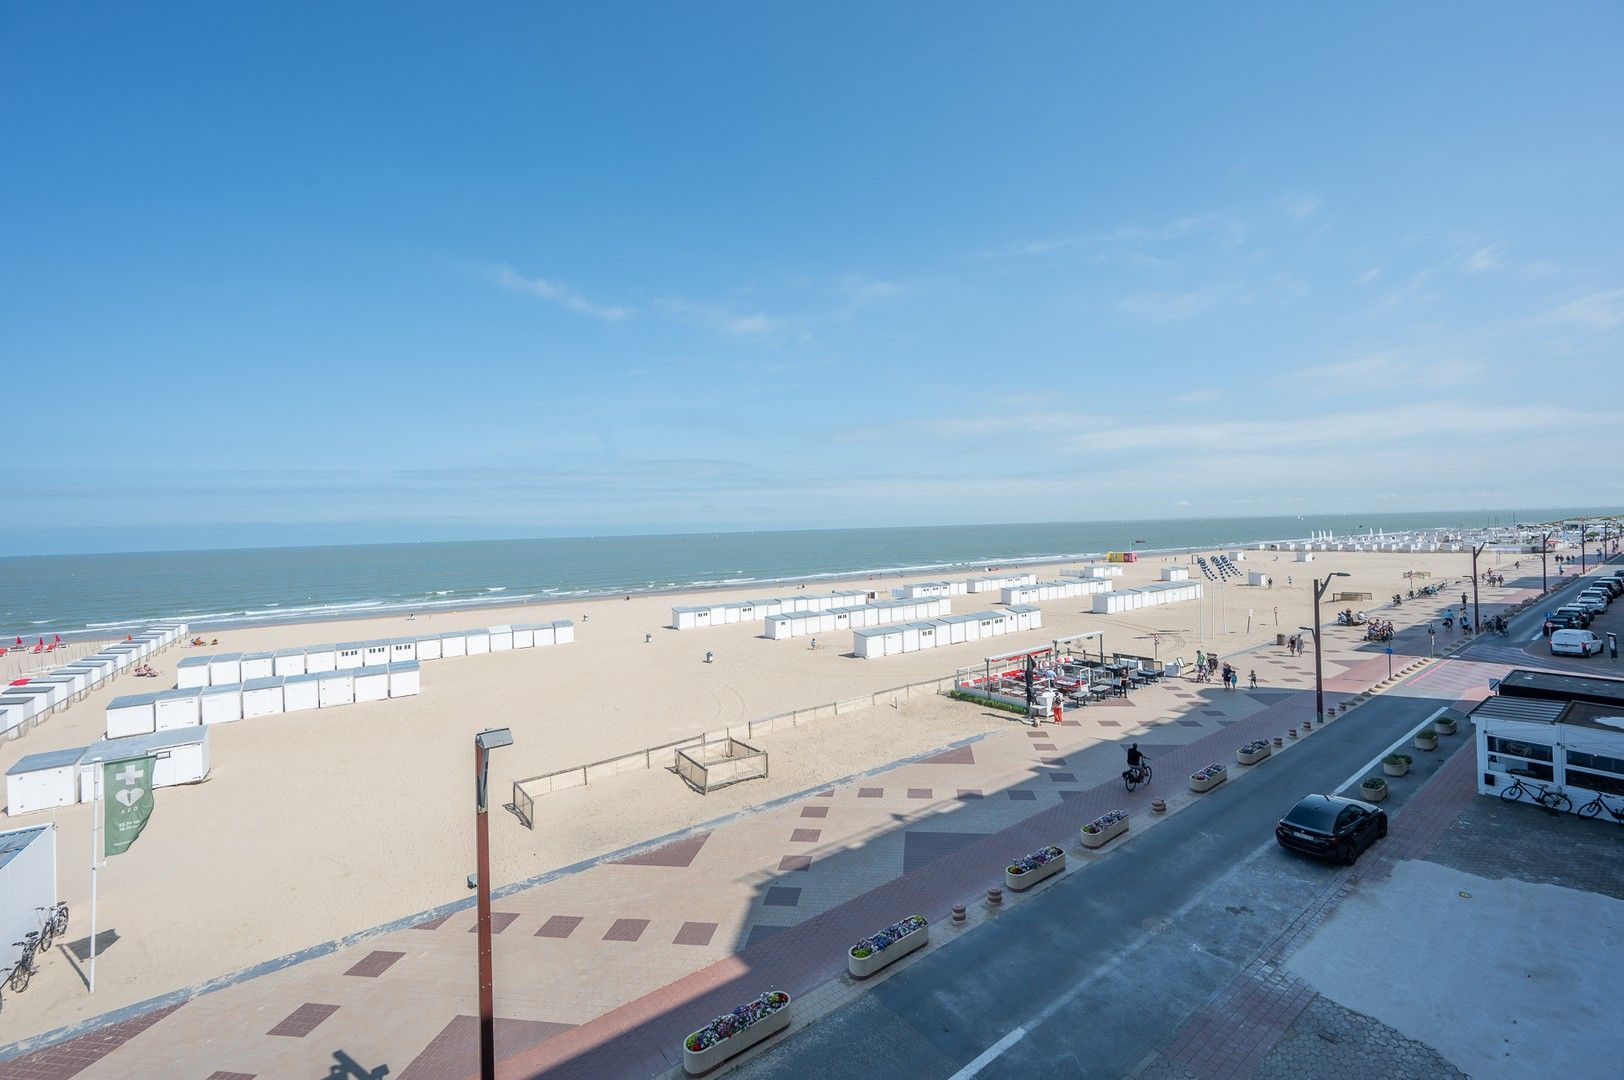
(127, 788)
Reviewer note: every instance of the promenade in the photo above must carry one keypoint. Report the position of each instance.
(602, 969)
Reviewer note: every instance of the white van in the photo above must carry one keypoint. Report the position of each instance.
(1575, 643)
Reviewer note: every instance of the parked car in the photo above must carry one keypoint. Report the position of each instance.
(1582, 615)
(1575, 643)
(1613, 585)
(1563, 620)
(1331, 827)
(1593, 604)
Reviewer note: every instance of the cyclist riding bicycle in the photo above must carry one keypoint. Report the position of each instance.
(1135, 758)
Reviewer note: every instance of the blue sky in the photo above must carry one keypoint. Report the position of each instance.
(361, 272)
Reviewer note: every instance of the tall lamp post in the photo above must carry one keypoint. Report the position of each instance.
(1477, 616)
(486, 741)
(1544, 553)
(1584, 562)
(1319, 667)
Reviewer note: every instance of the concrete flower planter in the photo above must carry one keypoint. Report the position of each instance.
(1444, 727)
(695, 1062)
(1105, 835)
(1427, 740)
(1207, 783)
(1370, 794)
(1395, 770)
(1252, 758)
(861, 967)
(1022, 882)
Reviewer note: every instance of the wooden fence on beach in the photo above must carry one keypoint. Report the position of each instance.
(663, 756)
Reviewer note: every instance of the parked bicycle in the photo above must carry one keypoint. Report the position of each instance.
(25, 963)
(1539, 793)
(54, 923)
(1595, 806)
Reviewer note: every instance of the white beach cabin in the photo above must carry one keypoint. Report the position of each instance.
(225, 668)
(221, 704)
(260, 697)
(319, 658)
(501, 638)
(181, 757)
(27, 884)
(403, 652)
(376, 653)
(43, 782)
(524, 636)
(479, 641)
(288, 662)
(404, 680)
(177, 709)
(257, 665)
(454, 643)
(349, 655)
(132, 714)
(301, 692)
(371, 684)
(428, 647)
(336, 688)
(563, 632)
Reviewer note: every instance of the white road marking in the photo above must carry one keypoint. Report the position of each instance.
(991, 1054)
(1377, 760)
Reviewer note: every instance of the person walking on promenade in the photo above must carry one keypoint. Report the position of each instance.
(1252, 677)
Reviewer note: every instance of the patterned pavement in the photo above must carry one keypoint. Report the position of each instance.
(713, 916)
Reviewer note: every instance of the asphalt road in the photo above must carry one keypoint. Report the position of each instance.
(1088, 977)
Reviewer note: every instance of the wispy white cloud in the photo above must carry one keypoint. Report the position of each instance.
(1368, 276)
(1387, 370)
(1199, 397)
(1595, 311)
(722, 319)
(1216, 229)
(1172, 306)
(1485, 259)
(1301, 205)
(557, 293)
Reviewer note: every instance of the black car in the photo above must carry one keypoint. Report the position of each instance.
(1331, 827)
(1562, 620)
(1583, 616)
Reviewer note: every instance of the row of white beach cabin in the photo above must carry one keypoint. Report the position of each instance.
(168, 710)
(930, 588)
(1058, 589)
(879, 613)
(64, 777)
(1152, 595)
(744, 611)
(877, 641)
(228, 669)
(38, 695)
(1000, 582)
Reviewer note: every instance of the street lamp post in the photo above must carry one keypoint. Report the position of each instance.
(1477, 615)
(486, 741)
(1544, 553)
(1319, 667)
(1584, 562)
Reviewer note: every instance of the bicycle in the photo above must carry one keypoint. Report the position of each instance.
(54, 924)
(25, 963)
(1595, 806)
(1539, 793)
(1135, 775)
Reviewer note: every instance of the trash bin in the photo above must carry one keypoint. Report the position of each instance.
(1279, 639)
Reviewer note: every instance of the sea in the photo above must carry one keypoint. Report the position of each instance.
(89, 596)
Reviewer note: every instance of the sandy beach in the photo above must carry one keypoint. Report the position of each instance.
(318, 824)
